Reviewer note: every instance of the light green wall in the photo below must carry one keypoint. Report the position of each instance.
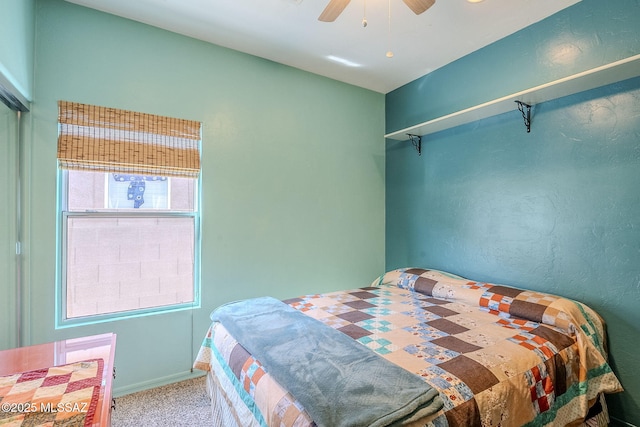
(8, 171)
(16, 44)
(16, 76)
(292, 170)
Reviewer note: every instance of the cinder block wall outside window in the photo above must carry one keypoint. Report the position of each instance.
(127, 263)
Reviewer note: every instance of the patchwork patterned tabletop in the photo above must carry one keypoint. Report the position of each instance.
(64, 395)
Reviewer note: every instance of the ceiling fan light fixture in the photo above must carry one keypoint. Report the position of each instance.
(335, 7)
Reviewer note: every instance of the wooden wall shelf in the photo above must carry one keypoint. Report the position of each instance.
(586, 80)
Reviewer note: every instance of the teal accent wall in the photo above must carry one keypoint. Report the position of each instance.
(292, 174)
(16, 49)
(555, 210)
(586, 35)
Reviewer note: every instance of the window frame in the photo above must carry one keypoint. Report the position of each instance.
(62, 217)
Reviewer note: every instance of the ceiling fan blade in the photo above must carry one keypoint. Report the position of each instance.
(333, 10)
(419, 6)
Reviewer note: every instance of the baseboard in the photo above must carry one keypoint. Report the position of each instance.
(619, 423)
(157, 382)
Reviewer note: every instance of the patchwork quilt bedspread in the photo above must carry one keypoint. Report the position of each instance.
(498, 355)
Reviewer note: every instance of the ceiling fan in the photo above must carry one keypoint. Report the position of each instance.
(335, 8)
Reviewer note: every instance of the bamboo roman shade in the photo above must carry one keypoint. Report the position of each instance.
(111, 140)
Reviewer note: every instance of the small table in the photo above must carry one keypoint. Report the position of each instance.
(63, 352)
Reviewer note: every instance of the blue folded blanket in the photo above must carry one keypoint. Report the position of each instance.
(339, 381)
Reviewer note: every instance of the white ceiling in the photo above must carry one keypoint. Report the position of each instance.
(288, 31)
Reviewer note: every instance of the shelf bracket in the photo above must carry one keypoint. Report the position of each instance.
(416, 141)
(525, 109)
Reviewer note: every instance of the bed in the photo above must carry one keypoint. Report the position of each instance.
(483, 355)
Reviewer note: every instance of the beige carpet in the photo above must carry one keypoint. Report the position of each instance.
(181, 404)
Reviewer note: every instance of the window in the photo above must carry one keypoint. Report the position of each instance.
(129, 213)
